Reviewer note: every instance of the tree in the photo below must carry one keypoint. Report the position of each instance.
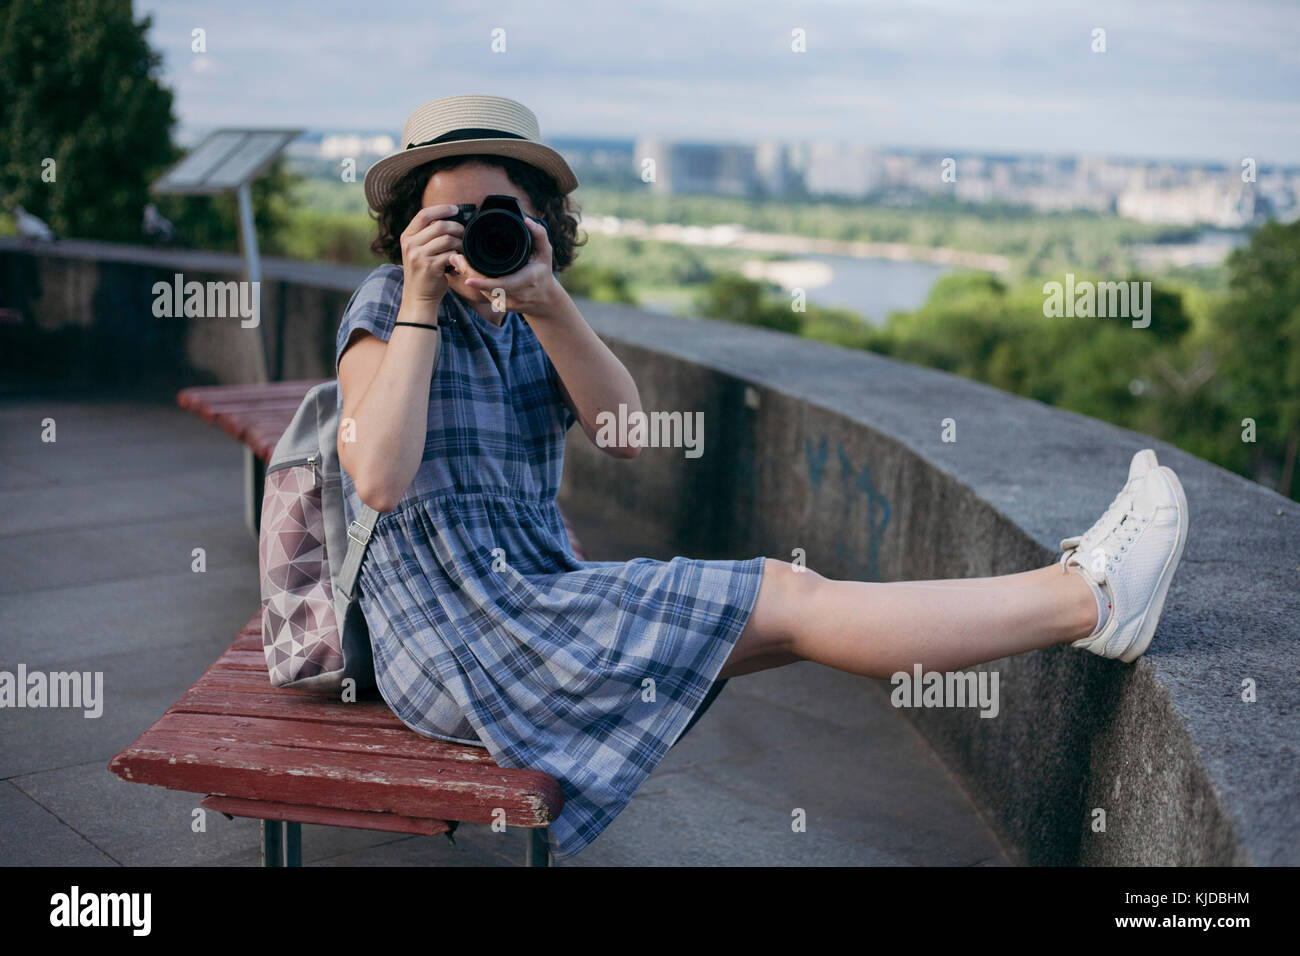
(733, 298)
(597, 282)
(78, 85)
(1258, 348)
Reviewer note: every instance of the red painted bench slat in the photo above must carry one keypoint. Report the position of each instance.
(209, 394)
(273, 703)
(245, 660)
(342, 738)
(346, 781)
(294, 813)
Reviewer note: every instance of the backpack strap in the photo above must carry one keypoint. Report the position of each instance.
(358, 539)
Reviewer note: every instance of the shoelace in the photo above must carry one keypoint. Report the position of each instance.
(1107, 516)
(1114, 546)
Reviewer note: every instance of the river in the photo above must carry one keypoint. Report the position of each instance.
(871, 287)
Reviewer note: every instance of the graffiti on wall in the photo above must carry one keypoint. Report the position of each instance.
(859, 494)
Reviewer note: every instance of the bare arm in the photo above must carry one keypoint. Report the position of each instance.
(385, 386)
(591, 376)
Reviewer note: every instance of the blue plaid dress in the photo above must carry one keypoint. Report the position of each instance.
(485, 628)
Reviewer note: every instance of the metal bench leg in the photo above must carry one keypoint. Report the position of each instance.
(272, 843)
(539, 851)
(293, 844)
(281, 843)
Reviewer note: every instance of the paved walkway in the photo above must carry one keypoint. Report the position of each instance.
(97, 532)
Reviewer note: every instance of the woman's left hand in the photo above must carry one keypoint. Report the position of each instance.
(533, 290)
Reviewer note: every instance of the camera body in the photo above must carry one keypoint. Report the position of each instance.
(497, 241)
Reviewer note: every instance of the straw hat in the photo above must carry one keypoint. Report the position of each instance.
(459, 125)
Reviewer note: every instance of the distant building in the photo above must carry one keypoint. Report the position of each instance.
(314, 147)
(773, 168)
(726, 170)
(839, 169)
(600, 161)
(1226, 205)
(345, 145)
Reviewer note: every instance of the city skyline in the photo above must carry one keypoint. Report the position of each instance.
(1176, 82)
(193, 136)
(1183, 192)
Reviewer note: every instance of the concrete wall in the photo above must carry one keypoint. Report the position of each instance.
(88, 315)
(838, 453)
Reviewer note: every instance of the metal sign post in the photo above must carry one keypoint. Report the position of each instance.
(230, 159)
(252, 270)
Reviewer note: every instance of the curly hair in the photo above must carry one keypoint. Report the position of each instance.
(560, 213)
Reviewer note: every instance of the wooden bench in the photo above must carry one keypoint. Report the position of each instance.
(287, 757)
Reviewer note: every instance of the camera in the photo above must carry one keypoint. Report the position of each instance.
(497, 241)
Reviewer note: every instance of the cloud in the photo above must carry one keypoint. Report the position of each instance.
(1179, 79)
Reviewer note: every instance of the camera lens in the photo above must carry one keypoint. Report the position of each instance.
(497, 243)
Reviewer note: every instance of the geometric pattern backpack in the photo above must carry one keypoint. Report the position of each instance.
(313, 632)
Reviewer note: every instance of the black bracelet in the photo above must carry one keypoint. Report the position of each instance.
(418, 325)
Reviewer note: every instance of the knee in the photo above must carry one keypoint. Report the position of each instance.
(793, 589)
(780, 615)
(793, 579)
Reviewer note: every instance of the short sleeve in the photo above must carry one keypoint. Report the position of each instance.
(373, 307)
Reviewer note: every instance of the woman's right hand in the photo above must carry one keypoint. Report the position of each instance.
(427, 246)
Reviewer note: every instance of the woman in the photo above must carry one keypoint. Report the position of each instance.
(485, 627)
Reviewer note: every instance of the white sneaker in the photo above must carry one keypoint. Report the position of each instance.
(1142, 462)
(1134, 561)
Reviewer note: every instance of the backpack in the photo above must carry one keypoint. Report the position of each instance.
(313, 632)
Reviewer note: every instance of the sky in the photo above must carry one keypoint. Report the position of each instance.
(1187, 80)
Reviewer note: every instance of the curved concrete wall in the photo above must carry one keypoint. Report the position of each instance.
(839, 453)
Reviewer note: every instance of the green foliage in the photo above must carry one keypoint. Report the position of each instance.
(1256, 339)
(597, 282)
(663, 264)
(839, 327)
(955, 286)
(1103, 367)
(733, 298)
(321, 235)
(330, 194)
(78, 84)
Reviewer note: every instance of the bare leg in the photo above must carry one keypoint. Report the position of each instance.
(879, 629)
(1017, 579)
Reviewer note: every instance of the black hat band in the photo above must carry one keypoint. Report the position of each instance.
(468, 132)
